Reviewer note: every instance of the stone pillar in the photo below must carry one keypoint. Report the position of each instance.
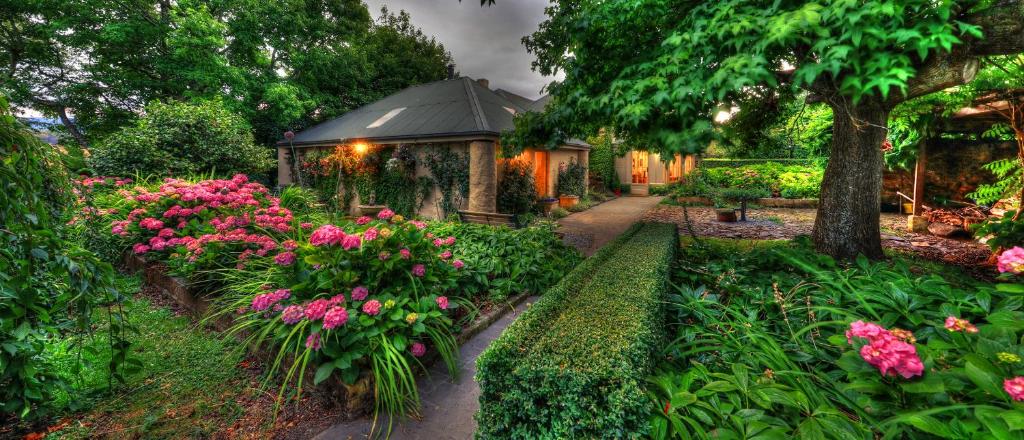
(284, 168)
(483, 176)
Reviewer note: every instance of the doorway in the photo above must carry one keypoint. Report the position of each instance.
(540, 170)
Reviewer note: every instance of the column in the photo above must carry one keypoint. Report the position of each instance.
(483, 176)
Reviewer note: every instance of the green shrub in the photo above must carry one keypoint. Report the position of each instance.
(573, 365)
(800, 184)
(559, 212)
(517, 193)
(799, 181)
(182, 139)
(572, 179)
(602, 162)
(709, 163)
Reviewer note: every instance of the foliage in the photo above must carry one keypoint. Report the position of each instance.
(742, 194)
(517, 191)
(603, 152)
(583, 204)
(50, 284)
(572, 179)
(760, 348)
(1008, 181)
(352, 300)
(573, 364)
(182, 139)
(788, 181)
(396, 184)
(450, 170)
(503, 262)
(1003, 232)
(284, 65)
(717, 162)
(558, 212)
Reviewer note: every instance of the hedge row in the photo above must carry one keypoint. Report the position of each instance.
(573, 366)
(733, 163)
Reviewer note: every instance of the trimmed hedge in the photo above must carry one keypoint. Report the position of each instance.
(733, 163)
(574, 365)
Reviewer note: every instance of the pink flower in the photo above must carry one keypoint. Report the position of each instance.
(1015, 388)
(418, 349)
(313, 341)
(336, 299)
(363, 220)
(285, 258)
(445, 255)
(151, 223)
(326, 235)
(359, 293)
(293, 314)
(449, 241)
(371, 307)
(1012, 260)
(442, 302)
(370, 234)
(418, 270)
(335, 317)
(406, 253)
(290, 245)
(384, 255)
(418, 224)
(438, 242)
(265, 300)
(166, 233)
(886, 352)
(351, 242)
(140, 248)
(306, 225)
(385, 214)
(955, 324)
(458, 264)
(316, 309)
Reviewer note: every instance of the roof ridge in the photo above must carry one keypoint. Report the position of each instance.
(474, 106)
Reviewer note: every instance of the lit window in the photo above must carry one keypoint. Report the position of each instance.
(387, 117)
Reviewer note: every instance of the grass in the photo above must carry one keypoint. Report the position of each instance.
(191, 386)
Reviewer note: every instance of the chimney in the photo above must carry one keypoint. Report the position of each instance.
(484, 82)
(451, 71)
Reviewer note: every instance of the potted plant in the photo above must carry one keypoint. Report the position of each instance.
(568, 200)
(547, 204)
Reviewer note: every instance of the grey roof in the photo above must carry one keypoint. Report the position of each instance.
(447, 108)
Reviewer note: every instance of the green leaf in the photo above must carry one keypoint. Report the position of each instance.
(984, 375)
(323, 372)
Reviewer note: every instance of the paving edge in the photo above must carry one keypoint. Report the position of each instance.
(478, 325)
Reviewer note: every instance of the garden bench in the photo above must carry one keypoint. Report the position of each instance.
(489, 218)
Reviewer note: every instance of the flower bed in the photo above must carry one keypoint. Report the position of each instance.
(778, 339)
(573, 365)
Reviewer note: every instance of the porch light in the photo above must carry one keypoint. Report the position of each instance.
(360, 148)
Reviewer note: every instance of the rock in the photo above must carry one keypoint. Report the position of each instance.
(948, 231)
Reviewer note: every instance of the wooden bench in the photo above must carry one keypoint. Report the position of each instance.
(489, 218)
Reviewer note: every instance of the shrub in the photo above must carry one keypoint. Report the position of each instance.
(602, 162)
(800, 184)
(517, 193)
(571, 179)
(796, 180)
(182, 139)
(559, 212)
(501, 262)
(573, 365)
(787, 327)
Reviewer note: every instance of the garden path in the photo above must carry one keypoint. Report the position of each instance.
(448, 407)
(591, 229)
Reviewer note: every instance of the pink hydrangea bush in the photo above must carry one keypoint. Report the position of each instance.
(346, 292)
(883, 350)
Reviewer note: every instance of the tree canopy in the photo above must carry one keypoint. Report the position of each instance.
(281, 65)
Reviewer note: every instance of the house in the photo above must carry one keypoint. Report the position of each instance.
(459, 113)
(641, 169)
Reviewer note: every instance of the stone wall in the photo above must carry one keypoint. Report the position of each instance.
(953, 171)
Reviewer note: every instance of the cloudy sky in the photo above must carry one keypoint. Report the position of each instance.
(485, 41)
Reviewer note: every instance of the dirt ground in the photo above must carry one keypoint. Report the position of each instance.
(786, 223)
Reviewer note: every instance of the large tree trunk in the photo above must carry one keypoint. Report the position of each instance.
(847, 221)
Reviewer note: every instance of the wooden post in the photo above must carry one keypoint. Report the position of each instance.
(919, 178)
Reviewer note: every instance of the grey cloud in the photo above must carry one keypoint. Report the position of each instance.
(484, 41)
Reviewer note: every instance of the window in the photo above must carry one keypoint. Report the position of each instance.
(387, 117)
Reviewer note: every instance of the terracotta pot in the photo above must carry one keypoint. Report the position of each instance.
(369, 210)
(726, 215)
(568, 201)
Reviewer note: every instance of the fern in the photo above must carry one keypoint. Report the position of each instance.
(1008, 175)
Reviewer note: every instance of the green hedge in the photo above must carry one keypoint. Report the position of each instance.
(732, 163)
(573, 365)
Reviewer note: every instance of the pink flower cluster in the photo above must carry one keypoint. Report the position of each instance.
(264, 301)
(330, 235)
(417, 349)
(1012, 260)
(955, 324)
(1015, 388)
(885, 351)
(89, 182)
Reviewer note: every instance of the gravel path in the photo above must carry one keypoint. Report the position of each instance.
(591, 229)
(786, 223)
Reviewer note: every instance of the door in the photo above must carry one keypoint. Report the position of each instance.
(541, 172)
(639, 167)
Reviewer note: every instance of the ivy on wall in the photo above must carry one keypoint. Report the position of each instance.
(450, 170)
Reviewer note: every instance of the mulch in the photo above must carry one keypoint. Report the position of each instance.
(787, 223)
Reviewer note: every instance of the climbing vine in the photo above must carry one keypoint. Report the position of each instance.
(450, 170)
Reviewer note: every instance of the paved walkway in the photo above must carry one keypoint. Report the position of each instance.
(591, 229)
(448, 408)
